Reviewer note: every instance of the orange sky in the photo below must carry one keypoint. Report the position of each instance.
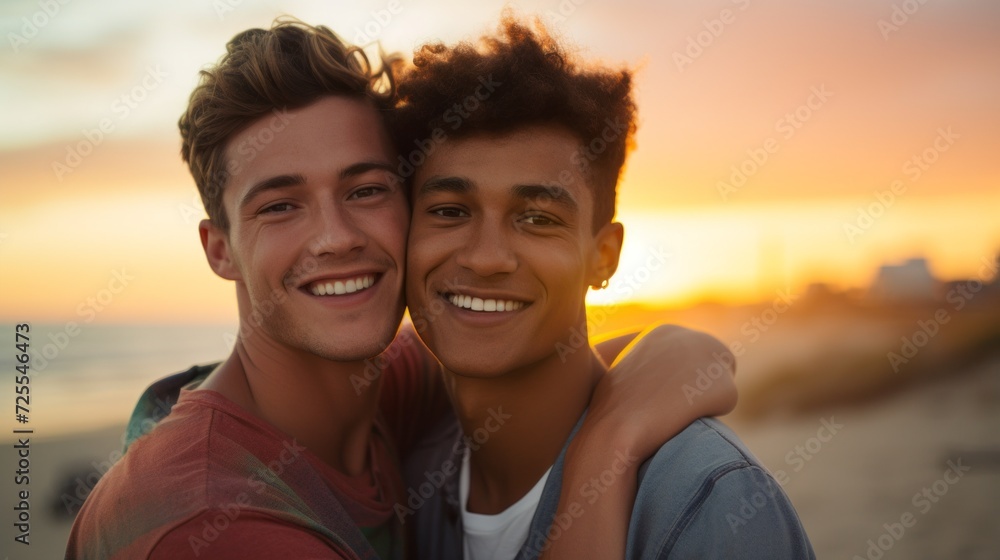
(838, 109)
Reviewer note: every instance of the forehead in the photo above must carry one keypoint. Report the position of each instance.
(320, 139)
(537, 155)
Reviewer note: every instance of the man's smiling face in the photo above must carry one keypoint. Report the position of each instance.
(318, 229)
(502, 249)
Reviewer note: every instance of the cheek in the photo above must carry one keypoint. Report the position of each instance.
(267, 247)
(389, 229)
(560, 266)
(423, 253)
(564, 276)
(429, 246)
(399, 225)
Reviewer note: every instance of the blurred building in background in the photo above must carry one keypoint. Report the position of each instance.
(909, 282)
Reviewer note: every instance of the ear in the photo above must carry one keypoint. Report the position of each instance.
(215, 242)
(607, 250)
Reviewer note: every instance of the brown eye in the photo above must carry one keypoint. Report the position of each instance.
(367, 192)
(276, 208)
(449, 212)
(537, 220)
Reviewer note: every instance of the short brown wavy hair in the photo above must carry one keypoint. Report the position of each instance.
(285, 67)
(529, 78)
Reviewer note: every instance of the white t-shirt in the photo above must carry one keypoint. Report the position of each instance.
(500, 536)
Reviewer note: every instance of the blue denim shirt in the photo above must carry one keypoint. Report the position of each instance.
(701, 496)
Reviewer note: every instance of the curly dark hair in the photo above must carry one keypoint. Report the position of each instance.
(285, 67)
(521, 76)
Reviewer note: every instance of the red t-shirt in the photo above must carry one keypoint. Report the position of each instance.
(213, 481)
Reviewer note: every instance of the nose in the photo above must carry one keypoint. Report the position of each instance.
(336, 232)
(488, 251)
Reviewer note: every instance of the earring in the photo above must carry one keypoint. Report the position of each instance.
(604, 284)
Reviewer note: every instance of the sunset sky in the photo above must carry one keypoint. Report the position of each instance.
(773, 134)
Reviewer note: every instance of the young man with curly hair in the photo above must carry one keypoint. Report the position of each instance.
(512, 223)
(290, 448)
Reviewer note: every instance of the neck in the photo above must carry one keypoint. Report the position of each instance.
(307, 397)
(516, 424)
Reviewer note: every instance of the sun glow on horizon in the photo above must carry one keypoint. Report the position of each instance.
(675, 257)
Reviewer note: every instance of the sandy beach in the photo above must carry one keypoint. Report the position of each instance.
(869, 473)
(56, 463)
(874, 471)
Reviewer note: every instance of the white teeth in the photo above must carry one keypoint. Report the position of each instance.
(339, 287)
(485, 305)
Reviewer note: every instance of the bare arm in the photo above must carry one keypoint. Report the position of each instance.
(609, 347)
(650, 395)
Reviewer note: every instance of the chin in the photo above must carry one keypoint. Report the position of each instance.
(358, 342)
(476, 365)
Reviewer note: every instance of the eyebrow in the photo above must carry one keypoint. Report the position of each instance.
(462, 185)
(271, 183)
(456, 185)
(366, 166)
(294, 179)
(554, 193)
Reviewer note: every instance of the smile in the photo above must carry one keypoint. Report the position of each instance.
(485, 305)
(341, 287)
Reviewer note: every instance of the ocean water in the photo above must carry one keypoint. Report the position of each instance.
(91, 376)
